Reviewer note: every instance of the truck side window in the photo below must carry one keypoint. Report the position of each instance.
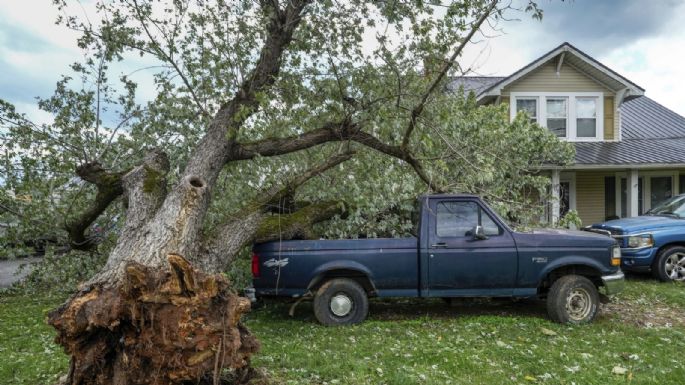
(457, 219)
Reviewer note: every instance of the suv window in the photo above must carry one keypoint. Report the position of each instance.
(457, 219)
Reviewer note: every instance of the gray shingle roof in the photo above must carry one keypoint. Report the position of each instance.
(477, 84)
(631, 151)
(643, 118)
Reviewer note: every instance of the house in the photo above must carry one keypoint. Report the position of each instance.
(630, 150)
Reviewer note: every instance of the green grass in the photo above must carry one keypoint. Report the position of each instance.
(417, 342)
(28, 354)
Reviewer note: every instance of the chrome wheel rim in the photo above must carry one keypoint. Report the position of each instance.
(675, 266)
(578, 304)
(341, 305)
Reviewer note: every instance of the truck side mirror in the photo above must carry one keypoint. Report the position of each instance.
(479, 233)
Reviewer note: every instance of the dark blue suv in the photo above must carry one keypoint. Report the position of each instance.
(654, 241)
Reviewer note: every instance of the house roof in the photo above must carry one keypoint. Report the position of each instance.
(643, 118)
(633, 152)
(477, 84)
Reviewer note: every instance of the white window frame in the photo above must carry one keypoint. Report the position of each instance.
(571, 117)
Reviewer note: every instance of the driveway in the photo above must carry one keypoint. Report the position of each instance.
(8, 270)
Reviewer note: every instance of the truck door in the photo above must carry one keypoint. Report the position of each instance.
(463, 264)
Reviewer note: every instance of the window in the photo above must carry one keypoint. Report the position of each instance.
(574, 116)
(661, 188)
(586, 117)
(529, 106)
(457, 219)
(557, 113)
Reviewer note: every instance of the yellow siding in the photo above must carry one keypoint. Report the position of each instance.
(609, 118)
(545, 79)
(590, 197)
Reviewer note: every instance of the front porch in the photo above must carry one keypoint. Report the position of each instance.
(603, 194)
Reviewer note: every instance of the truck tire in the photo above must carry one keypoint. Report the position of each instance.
(341, 301)
(669, 264)
(573, 299)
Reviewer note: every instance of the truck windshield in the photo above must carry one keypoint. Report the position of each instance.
(673, 207)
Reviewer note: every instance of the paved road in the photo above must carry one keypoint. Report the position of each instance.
(8, 270)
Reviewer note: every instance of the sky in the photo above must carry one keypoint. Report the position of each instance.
(643, 40)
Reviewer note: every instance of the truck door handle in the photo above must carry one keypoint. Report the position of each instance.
(439, 245)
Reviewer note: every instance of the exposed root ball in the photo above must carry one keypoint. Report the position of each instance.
(157, 327)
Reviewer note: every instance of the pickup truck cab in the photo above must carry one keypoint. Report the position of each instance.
(462, 249)
(654, 241)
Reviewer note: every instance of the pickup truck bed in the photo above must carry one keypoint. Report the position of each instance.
(396, 258)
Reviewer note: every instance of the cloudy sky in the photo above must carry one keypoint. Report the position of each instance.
(642, 40)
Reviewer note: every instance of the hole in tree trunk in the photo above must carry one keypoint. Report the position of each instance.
(196, 182)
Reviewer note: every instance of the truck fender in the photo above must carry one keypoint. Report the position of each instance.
(570, 261)
(344, 267)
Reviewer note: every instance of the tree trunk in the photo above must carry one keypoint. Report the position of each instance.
(150, 317)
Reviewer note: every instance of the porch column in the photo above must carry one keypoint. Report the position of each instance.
(556, 208)
(618, 196)
(632, 204)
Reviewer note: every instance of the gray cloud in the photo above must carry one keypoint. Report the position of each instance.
(600, 26)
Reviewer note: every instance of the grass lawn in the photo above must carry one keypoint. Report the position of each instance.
(28, 354)
(640, 339)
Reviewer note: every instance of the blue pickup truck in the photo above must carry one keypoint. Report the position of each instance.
(652, 242)
(462, 249)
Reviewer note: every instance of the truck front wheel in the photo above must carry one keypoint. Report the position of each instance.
(341, 301)
(669, 264)
(573, 299)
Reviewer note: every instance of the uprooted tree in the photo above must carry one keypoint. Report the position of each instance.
(256, 102)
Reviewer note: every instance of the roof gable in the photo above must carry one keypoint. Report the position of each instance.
(568, 54)
(551, 77)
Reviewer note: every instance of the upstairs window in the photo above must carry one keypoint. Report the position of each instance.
(573, 116)
(529, 106)
(586, 117)
(557, 116)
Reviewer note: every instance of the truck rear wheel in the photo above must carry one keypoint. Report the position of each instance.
(341, 301)
(669, 264)
(573, 299)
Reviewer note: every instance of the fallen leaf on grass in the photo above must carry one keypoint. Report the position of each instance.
(548, 332)
(619, 370)
(530, 378)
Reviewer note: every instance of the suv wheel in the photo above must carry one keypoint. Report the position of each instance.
(341, 301)
(573, 299)
(669, 264)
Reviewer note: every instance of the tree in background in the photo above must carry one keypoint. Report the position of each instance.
(269, 118)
